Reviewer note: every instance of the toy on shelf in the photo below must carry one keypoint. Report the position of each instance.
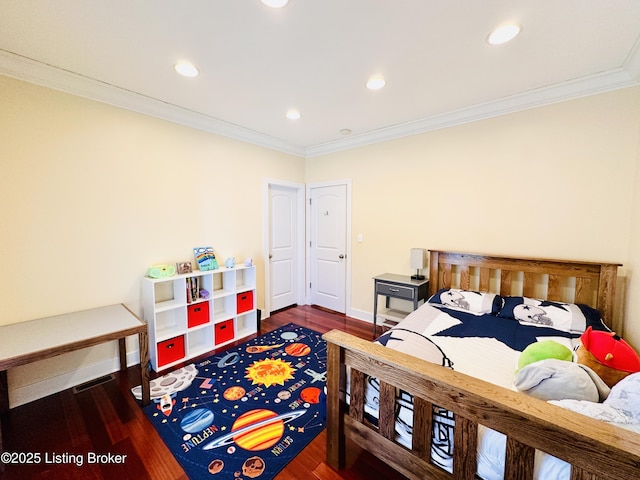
(161, 271)
(205, 258)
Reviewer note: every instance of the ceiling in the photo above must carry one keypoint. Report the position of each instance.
(256, 63)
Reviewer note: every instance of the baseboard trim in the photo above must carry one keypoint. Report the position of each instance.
(35, 391)
(360, 315)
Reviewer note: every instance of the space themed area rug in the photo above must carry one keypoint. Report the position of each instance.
(246, 412)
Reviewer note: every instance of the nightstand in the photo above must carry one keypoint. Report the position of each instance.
(402, 287)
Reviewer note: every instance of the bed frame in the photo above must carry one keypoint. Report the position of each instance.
(596, 450)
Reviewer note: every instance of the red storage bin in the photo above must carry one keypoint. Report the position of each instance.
(170, 350)
(224, 331)
(245, 302)
(197, 314)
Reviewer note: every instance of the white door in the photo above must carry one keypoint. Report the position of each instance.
(328, 247)
(283, 251)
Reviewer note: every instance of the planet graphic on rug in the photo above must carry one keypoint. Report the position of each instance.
(288, 335)
(256, 430)
(233, 393)
(311, 395)
(284, 395)
(215, 466)
(196, 420)
(298, 349)
(229, 359)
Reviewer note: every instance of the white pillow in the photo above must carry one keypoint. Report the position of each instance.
(621, 406)
(468, 300)
(599, 411)
(625, 396)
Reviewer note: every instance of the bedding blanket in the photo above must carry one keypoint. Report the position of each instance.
(485, 346)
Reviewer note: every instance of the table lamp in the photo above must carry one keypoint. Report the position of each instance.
(418, 261)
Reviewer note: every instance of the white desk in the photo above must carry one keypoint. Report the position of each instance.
(26, 342)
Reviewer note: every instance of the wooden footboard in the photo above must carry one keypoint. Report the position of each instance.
(595, 449)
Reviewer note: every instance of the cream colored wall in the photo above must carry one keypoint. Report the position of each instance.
(556, 181)
(632, 300)
(92, 195)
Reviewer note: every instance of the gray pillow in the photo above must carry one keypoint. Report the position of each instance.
(553, 379)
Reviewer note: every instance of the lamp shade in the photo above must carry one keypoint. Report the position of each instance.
(418, 258)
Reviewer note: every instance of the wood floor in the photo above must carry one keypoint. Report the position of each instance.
(107, 419)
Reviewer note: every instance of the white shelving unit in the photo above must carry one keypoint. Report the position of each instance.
(183, 326)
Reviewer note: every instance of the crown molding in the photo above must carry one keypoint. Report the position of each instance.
(56, 78)
(582, 87)
(626, 76)
(49, 76)
(632, 62)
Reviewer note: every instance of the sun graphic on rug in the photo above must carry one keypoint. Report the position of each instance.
(269, 372)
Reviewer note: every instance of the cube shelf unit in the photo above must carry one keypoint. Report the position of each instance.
(183, 325)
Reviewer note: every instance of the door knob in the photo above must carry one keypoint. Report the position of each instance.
(341, 256)
(270, 256)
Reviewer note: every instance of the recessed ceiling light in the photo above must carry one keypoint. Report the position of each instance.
(376, 83)
(293, 114)
(503, 34)
(275, 3)
(186, 69)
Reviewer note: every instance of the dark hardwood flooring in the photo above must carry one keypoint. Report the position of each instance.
(107, 419)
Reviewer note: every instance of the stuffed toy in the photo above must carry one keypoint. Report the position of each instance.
(608, 355)
(554, 379)
(542, 350)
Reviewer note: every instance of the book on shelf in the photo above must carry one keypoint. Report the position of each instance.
(193, 289)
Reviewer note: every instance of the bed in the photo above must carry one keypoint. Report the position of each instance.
(532, 431)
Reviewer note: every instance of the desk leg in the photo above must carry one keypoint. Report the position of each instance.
(4, 392)
(4, 407)
(122, 348)
(375, 310)
(144, 368)
(1, 448)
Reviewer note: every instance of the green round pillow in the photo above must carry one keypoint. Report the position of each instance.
(543, 350)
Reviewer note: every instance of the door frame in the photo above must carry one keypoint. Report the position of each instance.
(299, 188)
(347, 293)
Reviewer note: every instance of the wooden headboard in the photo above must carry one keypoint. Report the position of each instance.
(591, 283)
